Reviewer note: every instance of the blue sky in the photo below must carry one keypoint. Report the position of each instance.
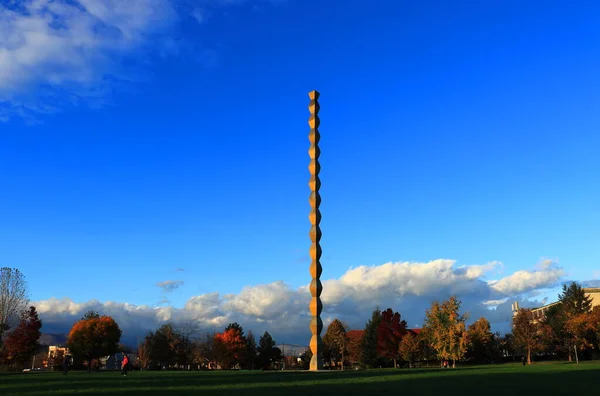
(167, 141)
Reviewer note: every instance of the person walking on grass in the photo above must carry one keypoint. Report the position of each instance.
(124, 365)
(65, 365)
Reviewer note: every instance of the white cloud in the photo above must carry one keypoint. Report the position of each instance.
(546, 263)
(63, 51)
(494, 303)
(264, 302)
(408, 287)
(60, 53)
(547, 273)
(170, 285)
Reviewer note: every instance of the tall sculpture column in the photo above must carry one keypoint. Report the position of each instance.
(316, 325)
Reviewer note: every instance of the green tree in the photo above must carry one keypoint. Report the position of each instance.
(266, 350)
(574, 300)
(235, 326)
(369, 356)
(168, 345)
(170, 333)
(335, 342)
(91, 314)
(481, 340)
(556, 339)
(156, 350)
(251, 351)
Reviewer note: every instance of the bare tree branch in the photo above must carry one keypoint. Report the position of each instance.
(13, 297)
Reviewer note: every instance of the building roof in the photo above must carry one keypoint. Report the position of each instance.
(545, 306)
(586, 290)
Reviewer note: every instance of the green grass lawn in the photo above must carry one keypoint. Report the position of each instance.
(505, 380)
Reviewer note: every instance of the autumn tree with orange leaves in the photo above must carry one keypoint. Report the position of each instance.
(409, 348)
(526, 333)
(93, 338)
(584, 330)
(445, 330)
(595, 324)
(229, 346)
(335, 343)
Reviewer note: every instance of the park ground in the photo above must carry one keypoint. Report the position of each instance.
(509, 379)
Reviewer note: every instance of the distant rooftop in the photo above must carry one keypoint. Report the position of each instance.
(545, 306)
(587, 290)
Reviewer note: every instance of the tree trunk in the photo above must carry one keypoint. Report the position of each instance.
(395, 366)
(342, 360)
(575, 349)
(528, 355)
(453, 363)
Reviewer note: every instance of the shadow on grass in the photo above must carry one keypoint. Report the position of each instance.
(511, 380)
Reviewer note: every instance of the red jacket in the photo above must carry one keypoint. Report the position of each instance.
(125, 361)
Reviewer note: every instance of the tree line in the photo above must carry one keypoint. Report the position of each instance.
(386, 341)
(20, 326)
(182, 346)
(570, 329)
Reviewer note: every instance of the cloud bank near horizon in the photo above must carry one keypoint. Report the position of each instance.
(407, 287)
